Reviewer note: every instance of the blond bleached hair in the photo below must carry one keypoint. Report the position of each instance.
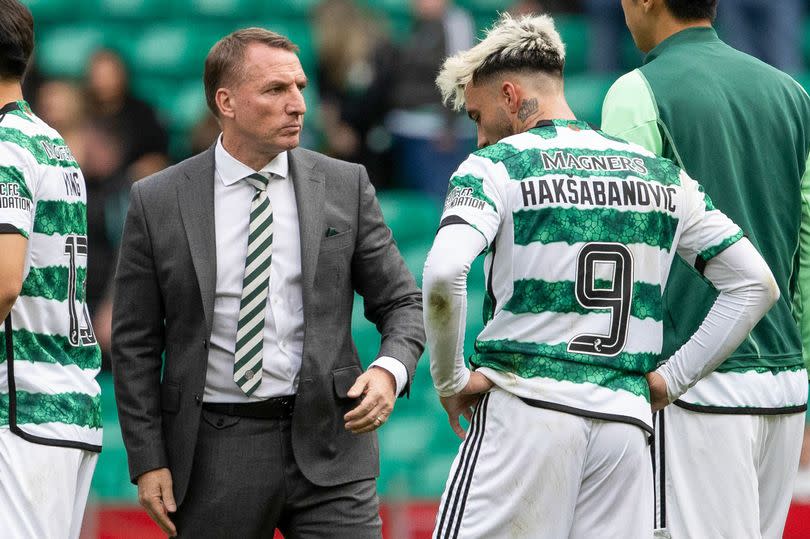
(530, 42)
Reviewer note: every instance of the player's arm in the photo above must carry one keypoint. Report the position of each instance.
(630, 113)
(16, 223)
(12, 265)
(444, 285)
(445, 296)
(747, 290)
(802, 297)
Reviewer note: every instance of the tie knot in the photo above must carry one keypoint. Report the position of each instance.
(259, 181)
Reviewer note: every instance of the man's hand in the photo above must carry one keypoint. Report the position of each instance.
(378, 388)
(464, 403)
(155, 495)
(659, 397)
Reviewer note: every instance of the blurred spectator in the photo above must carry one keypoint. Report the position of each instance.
(607, 30)
(771, 31)
(528, 7)
(355, 63)
(61, 104)
(429, 141)
(102, 164)
(133, 121)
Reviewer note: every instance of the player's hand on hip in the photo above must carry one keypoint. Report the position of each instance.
(478, 384)
(464, 402)
(659, 397)
(155, 495)
(378, 388)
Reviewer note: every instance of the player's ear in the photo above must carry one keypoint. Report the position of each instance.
(510, 94)
(224, 101)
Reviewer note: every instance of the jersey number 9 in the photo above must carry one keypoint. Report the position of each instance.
(617, 298)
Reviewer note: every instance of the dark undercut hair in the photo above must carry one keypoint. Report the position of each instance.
(16, 39)
(528, 59)
(224, 60)
(691, 10)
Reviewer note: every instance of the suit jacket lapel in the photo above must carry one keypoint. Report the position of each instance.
(196, 196)
(308, 183)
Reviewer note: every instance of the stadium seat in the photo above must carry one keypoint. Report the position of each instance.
(174, 49)
(485, 6)
(294, 8)
(45, 11)
(135, 10)
(406, 437)
(183, 105)
(63, 51)
(390, 7)
(585, 94)
(574, 33)
(412, 216)
(221, 9)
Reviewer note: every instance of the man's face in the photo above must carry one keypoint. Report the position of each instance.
(486, 107)
(266, 100)
(638, 22)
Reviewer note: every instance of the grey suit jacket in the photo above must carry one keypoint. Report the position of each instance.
(164, 301)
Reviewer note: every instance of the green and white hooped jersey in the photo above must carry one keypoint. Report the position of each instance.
(48, 390)
(582, 229)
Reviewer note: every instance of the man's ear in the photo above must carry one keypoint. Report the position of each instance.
(650, 5)
(510, 93)
(224, 101)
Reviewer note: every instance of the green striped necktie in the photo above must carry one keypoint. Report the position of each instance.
(247, 368)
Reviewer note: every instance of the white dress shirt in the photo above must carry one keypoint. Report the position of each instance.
(284, 316)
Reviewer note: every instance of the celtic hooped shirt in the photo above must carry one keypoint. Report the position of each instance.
(48, 391)
(582, 229)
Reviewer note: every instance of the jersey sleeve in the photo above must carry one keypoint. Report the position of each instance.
(474, 198)
(630, 113)
(16, 191)
(706, 230)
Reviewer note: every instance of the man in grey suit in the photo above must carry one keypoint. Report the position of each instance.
(241, 398)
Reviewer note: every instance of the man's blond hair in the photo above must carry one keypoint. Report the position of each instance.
(528, 43)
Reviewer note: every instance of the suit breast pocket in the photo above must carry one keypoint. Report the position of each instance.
(336, 242)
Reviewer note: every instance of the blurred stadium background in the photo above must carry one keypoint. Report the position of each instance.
(163, 44)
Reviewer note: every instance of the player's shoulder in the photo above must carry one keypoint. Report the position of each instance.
(29, 140)
(631, 83)
(18, 139)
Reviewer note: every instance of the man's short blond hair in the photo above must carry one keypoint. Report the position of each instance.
(528, 43)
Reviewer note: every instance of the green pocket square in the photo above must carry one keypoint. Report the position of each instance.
(331, 232)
